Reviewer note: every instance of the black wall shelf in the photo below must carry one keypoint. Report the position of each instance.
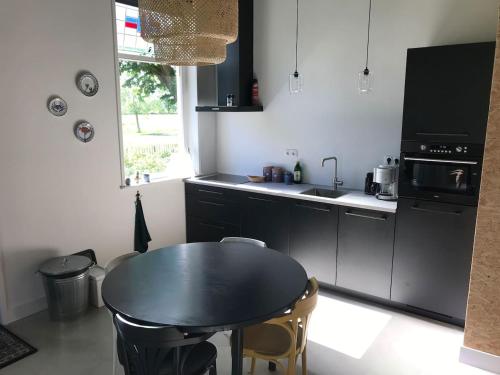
(243, 108)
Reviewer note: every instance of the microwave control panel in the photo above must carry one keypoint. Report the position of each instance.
(444, 149)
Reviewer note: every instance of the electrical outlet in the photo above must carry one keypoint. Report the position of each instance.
(292, 153)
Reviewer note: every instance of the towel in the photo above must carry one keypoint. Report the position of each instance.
(141, 233)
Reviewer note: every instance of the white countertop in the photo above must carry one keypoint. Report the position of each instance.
(351, 198)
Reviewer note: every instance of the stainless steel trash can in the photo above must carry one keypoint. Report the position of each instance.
(66, 283)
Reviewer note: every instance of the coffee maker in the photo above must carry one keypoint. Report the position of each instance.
(386, 178)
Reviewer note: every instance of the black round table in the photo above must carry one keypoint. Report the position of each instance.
(206, 287)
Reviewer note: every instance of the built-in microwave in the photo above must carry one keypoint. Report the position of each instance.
(441, 172)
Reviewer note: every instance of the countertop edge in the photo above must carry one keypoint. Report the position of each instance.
(347, 200)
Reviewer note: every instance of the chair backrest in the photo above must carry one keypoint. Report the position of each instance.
(302, 311)
(244, 240)
(145, 348)
(113, 263)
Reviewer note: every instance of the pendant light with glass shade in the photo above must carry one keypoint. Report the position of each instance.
(296, 79)
(365, 77)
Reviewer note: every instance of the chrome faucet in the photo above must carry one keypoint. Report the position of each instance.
(336, 181)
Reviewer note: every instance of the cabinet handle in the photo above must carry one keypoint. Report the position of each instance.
(211, 203)
(210, 192)
(313, 208)
(212, 226)
(417, 208)
(350, 213)
(443, 161)
(260, 199)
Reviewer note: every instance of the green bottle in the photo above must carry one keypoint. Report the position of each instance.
(297, 173)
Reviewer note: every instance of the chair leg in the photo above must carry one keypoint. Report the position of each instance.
(252, 368)
(115, 354)
(271, 366)
(213, 370)
(304, 361)
(292, 363)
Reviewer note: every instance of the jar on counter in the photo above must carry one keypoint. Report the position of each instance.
(288, 178)
(267, 172)
(278, 174)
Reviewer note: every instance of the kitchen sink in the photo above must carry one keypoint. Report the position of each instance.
(326, 193)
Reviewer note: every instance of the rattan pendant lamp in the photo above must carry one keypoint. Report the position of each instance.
(189, 32)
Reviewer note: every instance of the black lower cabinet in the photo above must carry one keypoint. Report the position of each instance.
(202, 230)
(365, 250)
(212, 213)
(313, 238)
(418, 259)
(266, 218)
(432, 256)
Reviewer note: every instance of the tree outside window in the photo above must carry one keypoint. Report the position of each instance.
(151, 125)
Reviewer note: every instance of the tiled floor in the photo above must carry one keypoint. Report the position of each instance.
(346, 337)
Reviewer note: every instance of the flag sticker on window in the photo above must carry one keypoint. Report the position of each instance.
(133, 23)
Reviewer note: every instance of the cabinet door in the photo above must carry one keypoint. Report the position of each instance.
(436, 104)
(266, 218)
(313, 238)
(202, 230)
(366, 242)
(432, 256)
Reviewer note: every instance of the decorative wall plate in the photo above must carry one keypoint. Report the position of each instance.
(87, 83)
(57, 106)
(84, 131)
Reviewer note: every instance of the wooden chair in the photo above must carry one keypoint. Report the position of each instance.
(244, 240)
(284, 337)
(154, 350)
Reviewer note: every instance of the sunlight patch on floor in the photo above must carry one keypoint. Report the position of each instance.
(345, 327)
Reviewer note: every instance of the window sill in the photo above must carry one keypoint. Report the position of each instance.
(155, 181)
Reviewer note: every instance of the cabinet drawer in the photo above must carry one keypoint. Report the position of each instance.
(201, 230)
(209, 192)
(211, 203)
(213, 209)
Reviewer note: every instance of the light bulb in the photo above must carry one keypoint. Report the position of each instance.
(365, 81)
(296, 83)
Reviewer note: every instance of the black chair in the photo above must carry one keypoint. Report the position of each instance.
(150, 350)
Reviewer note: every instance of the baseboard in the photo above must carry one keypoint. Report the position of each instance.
(482, 360)
(26, 309)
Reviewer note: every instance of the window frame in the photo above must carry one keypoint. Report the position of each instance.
(180, 84)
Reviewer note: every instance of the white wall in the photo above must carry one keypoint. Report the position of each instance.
(330, 117)
(58, 195)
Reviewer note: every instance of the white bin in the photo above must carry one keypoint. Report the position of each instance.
(96, 277)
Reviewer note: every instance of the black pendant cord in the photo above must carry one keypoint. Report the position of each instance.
(367, 71)
(296, 73)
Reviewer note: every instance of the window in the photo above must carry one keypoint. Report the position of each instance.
(152, 131)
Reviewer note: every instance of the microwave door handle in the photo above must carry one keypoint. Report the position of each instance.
(467, 162)
(444, 134)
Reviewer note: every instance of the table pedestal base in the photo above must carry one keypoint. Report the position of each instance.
(237, 352)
